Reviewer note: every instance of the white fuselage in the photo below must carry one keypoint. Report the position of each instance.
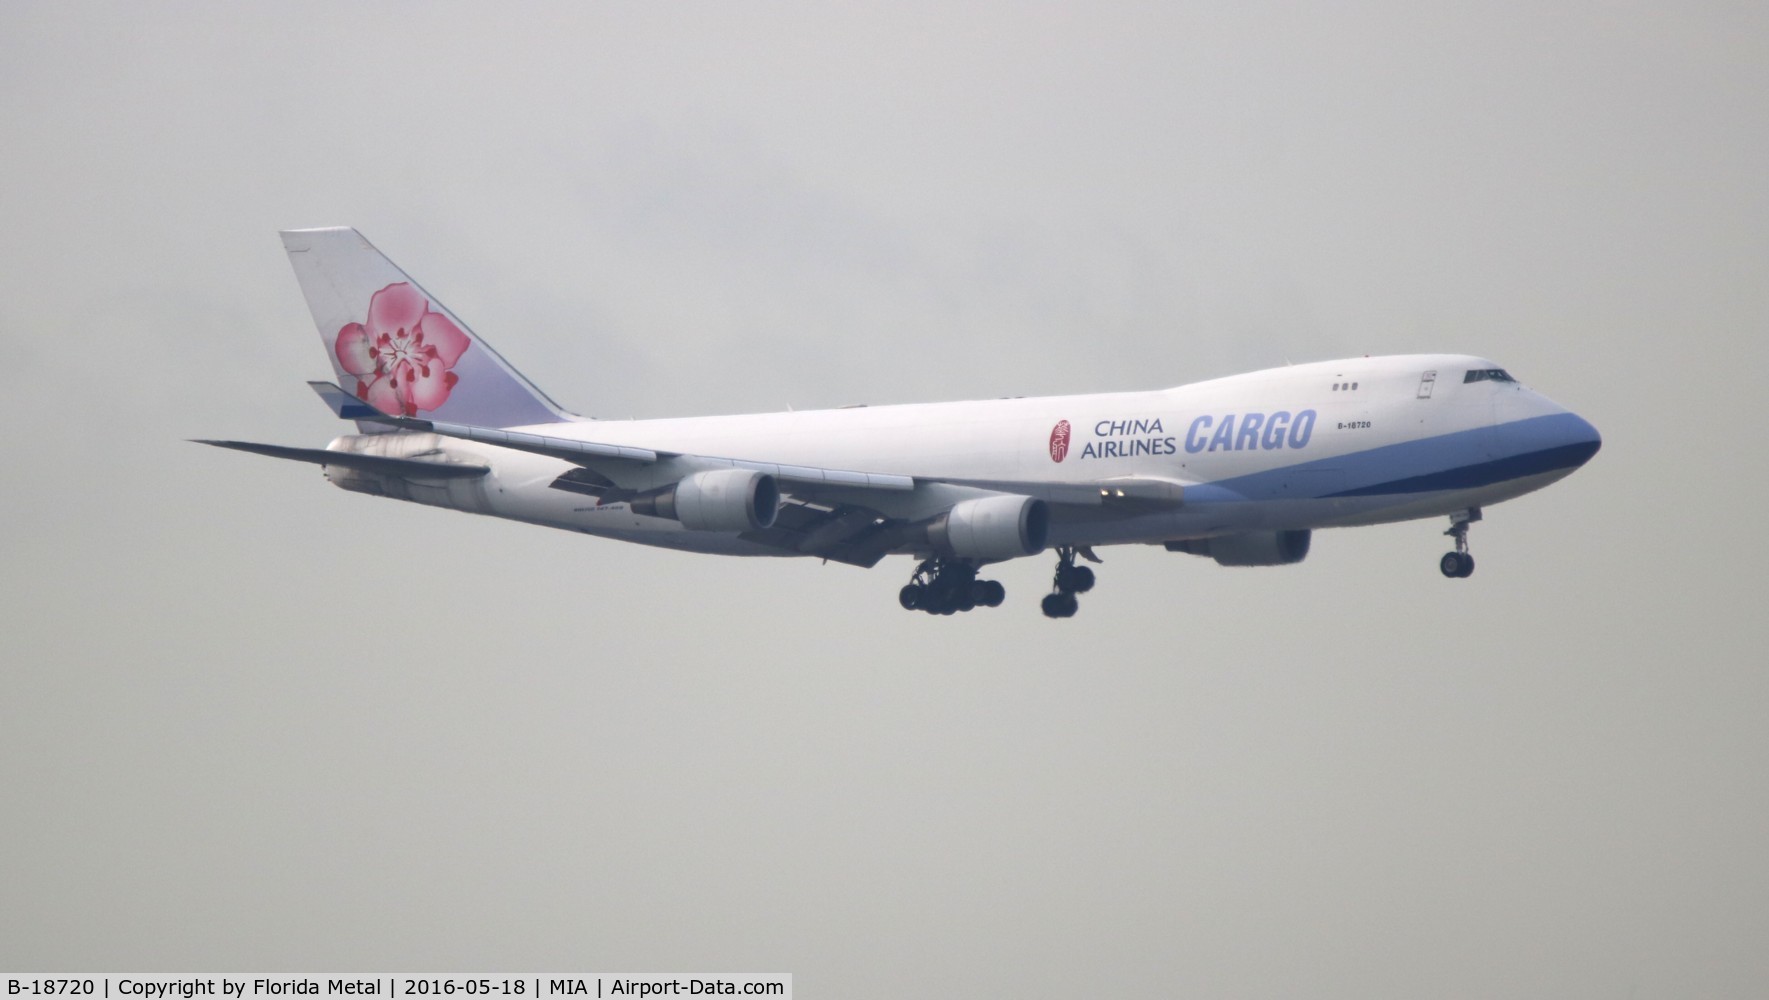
(1358, 441)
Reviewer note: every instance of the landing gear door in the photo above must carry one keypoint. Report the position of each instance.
(1426, 382)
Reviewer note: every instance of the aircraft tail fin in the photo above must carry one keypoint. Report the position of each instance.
(398, 348)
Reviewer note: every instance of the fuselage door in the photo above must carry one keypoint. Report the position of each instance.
(1426, 383)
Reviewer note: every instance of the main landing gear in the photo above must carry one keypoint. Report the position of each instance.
(948, 586)
(1070, 580)
(1459, 564)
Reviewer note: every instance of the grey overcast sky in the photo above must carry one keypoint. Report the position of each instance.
(251, 722)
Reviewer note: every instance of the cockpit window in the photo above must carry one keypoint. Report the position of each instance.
(1488, 375)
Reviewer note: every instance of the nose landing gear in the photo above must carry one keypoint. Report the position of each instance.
(948, 586)
(1070, 580)
(1460, 563)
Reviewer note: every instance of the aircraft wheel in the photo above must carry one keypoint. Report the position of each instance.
(1456, 565)
(1060, 605)
(990, 593)
(1078, 579)
(911, 596)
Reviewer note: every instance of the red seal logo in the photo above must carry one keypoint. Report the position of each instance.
(1059, 441)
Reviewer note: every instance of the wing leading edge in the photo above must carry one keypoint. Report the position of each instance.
(406, 468)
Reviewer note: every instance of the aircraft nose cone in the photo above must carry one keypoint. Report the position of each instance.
(1582, 439)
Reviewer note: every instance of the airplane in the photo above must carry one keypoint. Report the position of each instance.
(1241, 469)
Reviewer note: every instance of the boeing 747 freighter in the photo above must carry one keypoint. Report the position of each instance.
(1240, 469)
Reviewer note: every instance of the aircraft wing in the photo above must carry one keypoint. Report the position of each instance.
(829, 513)
(414, 468)
(848, 530)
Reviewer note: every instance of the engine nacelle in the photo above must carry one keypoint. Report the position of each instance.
(720, 500)
(992, 528)
(1252, 548)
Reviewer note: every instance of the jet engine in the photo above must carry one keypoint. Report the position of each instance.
(719, 500)
(1252, 548)
(992, 528)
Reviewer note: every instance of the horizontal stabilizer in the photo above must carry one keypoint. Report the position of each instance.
(407, 468)
(345, 405)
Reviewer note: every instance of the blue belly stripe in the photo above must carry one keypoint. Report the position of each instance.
(1533, 463)
(1467, 459)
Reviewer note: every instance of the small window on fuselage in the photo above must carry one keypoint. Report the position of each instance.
(1488, 375)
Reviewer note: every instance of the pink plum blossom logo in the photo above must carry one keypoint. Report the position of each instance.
(403, 354)
(1059, 441)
